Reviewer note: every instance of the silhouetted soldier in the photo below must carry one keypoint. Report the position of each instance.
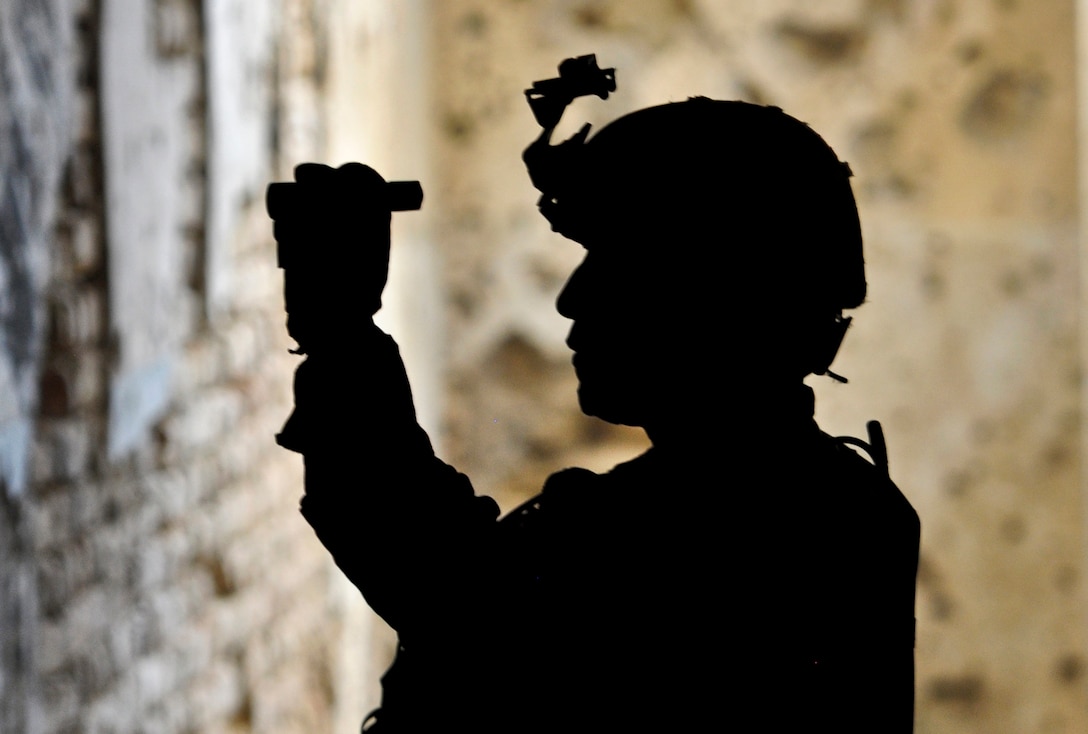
(748, 573)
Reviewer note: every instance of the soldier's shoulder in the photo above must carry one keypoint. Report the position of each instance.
(863, 475)
(561, 490)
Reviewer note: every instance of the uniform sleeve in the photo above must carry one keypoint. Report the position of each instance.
(404, 527)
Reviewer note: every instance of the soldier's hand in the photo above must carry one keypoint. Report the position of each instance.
(332, 230)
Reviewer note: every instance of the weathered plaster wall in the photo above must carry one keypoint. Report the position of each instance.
(37, 113)
(958, 120)
(36, 84)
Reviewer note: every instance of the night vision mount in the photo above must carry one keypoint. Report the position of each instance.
(551, 167)
(578, 77)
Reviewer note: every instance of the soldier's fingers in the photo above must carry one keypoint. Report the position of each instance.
(313, 173)
(360, 179)
(359, 172)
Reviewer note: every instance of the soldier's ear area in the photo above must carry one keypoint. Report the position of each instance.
(791, 348)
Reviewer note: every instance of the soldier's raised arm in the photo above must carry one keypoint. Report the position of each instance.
(399, 522)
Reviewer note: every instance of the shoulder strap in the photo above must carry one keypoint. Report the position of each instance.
(876, 447)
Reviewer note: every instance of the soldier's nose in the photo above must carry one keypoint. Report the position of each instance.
(570, 298)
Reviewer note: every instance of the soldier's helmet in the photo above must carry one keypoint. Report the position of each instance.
(745, 191)
(762, 188)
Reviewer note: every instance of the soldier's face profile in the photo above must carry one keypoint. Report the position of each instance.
(617, 301)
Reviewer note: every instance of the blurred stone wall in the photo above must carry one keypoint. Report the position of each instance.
(958, 119)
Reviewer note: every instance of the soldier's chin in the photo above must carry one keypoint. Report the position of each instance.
(607, 406)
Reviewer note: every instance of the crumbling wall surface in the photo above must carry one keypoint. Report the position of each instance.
(155, 575)
(957, 117)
